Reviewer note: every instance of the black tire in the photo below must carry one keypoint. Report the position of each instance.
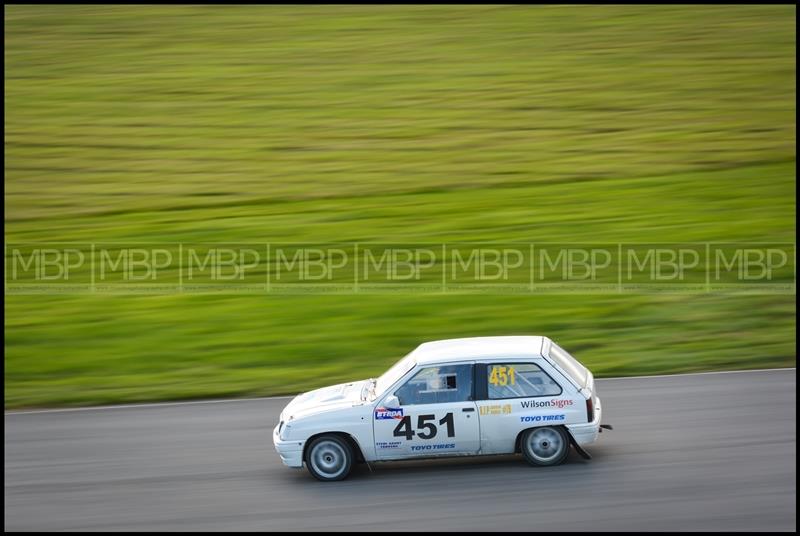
(329, 457)
(545, 446)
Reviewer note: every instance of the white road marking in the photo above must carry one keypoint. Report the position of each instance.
(151, 405)
(695, 374)
(229, 400)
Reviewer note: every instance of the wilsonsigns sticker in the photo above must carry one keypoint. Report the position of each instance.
(388, 413)
(554, 403)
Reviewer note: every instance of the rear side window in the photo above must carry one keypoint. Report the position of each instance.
(519, 380)
(569, 364)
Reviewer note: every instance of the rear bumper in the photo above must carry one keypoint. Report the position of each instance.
(586, 434)
(291, 452)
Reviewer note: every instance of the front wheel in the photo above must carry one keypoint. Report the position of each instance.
(545, 446)
(329, 457)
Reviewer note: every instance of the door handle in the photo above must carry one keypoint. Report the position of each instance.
(466, 410)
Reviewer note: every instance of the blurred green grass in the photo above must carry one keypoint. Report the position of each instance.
(390, 124)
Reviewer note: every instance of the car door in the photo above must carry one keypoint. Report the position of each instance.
(432, 414)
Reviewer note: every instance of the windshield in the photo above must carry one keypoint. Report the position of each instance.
(397, 371)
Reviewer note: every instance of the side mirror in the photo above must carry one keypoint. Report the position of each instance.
(391, 401)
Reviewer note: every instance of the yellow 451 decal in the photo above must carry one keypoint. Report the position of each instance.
(502, 375)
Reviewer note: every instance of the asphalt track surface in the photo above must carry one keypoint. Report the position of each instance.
(694, 452)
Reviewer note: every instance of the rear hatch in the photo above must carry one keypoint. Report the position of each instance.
(580, 376)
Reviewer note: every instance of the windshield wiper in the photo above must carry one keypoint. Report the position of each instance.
(368, 388)
(373, 382)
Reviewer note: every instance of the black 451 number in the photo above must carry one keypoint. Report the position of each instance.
(426, 430)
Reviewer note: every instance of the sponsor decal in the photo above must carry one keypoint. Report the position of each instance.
(541, 418)
(438, 446)
(388, 413)
(553, 403)
(388, 444)
(496, 410)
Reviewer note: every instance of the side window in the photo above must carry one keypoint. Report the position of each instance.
(435, 385)
(517, 380)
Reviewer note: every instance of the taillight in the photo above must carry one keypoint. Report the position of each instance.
(589, 409)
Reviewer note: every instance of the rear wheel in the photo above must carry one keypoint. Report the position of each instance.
(545, 446)
(329, 457)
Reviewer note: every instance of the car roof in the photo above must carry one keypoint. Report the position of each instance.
(479, 348)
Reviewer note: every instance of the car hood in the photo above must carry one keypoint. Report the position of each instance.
(343, 395)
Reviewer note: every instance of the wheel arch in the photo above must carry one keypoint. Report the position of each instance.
(359, 454)
(518, 440)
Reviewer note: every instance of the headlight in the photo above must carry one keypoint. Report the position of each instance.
(283, 431)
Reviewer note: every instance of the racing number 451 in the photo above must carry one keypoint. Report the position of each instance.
(502, 376)
(427, 430)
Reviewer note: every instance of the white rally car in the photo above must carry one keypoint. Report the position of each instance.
(459, 397)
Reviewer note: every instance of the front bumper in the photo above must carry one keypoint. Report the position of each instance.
(291, 452)
(586, 434)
